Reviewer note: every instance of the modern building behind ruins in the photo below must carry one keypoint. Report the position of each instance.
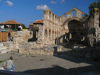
(35, 25)
(12, 24)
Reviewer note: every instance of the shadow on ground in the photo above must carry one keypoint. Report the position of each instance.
(57, 70)
(94, 66)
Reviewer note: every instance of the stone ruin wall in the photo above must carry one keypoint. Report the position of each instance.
(96, 25)
(52, 27)
(19, 37)
(93, 29)
(93, 35)
(55, 27)
(21, 44)
(69, 15)
(45, 44)
(51, 30)
(66, 17)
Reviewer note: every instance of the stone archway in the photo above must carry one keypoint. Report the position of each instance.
(76, 30)
(73, 18)
(74, 27)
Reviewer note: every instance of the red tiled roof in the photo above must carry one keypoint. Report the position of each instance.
(1, 23)
(38, 21)
(10, 22)
(26, 27)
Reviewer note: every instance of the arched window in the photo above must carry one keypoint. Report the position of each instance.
(53, 32)
(65, 15)
(45, 31)
(74, 13)
(82, 15)
(49, 31)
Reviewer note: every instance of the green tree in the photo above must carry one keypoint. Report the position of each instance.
(93, 5)
(23, 26)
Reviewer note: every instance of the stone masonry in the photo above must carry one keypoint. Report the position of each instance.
(55, 27)
(77, 27)
(18, 38)
(55, 30)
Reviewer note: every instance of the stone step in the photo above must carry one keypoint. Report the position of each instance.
(4, 51)
(1, 44)
(66, 49)
(2, 47)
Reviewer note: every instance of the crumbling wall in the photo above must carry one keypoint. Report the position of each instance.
(96, 25)
(87, 52)
(93, 29)
(21, 36)
(40, 34)
(34, 48)
(69, 16)
(55, 27)
(52, 27)
(18, 38)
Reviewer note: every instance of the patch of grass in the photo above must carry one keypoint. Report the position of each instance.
(5, 60)
(1, 61)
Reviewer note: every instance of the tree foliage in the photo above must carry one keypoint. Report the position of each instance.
(23, 26)
(93, 5)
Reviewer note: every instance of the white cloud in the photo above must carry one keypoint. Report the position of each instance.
(53, 2)
(9, 3)
(42, 7)
(62, 1)
(0, 0)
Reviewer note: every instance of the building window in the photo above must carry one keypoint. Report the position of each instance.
(46, 31)
(82, 15)
(65, 15)
(74, 13)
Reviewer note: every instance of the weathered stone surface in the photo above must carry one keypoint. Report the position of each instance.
(21, 36)
(9, 45)
(32, 48)
(60, 29)
(87, 52)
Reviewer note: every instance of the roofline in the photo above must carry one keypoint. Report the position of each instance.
(10, 24)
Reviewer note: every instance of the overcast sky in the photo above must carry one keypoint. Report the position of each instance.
(27, 11)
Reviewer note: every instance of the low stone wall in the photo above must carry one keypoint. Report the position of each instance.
(18, 38)
(87, 52)
(30, 48)
(21, 36)
(9, 45)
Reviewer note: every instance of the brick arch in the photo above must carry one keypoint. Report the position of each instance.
(75, 27)
(73, 18)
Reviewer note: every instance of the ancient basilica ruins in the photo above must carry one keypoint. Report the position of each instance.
(70, 28)
(80, 28)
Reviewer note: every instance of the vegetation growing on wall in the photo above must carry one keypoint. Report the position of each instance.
(93, 5)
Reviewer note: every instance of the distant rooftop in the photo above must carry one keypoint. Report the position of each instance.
(38, 21)
(9, 22)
